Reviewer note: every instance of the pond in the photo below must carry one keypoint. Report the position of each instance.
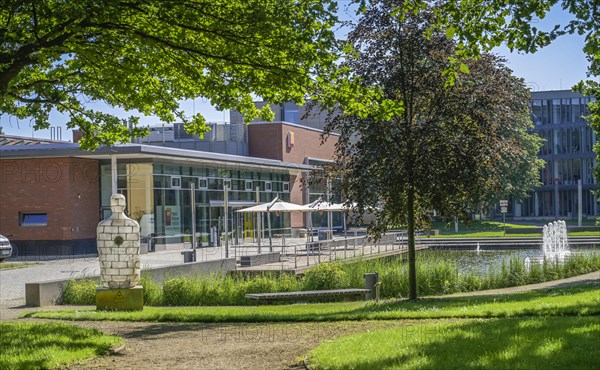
(484, 260)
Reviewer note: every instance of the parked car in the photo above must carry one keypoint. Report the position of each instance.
(5, 248)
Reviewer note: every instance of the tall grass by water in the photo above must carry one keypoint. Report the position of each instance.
(438, 272)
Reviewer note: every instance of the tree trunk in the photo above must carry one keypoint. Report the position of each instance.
(412, 267)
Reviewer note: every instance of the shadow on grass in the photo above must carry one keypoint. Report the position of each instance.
(48, 345)
(512, 343)
(474, 301)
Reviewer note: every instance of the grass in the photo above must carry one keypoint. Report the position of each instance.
(583, 300)
(493, 229)
(477, 226)
(500, 234)
(438, 272)
(16, 265)
(510, 343)
(49, 345)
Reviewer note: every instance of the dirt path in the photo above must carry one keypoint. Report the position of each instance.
(592, 277)
(221, 346)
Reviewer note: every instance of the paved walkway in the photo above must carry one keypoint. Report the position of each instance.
(12, 281)
(592, 277)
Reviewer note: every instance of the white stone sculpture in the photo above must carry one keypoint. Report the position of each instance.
(118, 241)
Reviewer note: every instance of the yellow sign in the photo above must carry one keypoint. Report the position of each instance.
(248, 226)
(119, 297)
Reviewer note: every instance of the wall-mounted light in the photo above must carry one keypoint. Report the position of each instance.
(290, 140)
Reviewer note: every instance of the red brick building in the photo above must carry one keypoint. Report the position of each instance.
(52, 195)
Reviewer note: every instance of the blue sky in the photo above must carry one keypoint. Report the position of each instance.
(558, 66)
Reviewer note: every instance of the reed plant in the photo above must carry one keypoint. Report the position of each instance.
(79, 292)
(438, 273)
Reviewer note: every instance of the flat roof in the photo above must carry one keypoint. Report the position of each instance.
(9, 140)
(141, 151)
(555, 94)
(297, 125)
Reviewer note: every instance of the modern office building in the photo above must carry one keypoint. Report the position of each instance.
(288, 112)
(558, 118)
(53, 195)
(222, 138)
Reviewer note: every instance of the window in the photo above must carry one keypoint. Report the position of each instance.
(286, 186)
(536, 112)
(176, 182)
(202, 183)
(248, 185)
(268, 186)
(556, 111)
(291, 113)
(33, 219)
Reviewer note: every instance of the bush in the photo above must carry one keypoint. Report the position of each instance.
(326, 276)
(152, 292)
(80, 292)
(180, 292)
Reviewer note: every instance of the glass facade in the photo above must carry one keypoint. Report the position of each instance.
(569, 156)
(290, 112)
(159, 196)
(326, 190)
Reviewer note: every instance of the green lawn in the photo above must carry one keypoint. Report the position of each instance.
(49, 345)
(16, 265)
(489, 229)
(500, 234)
(581, 300)
(509, 343)
(477, 226)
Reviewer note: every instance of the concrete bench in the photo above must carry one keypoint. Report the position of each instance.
(347, 294)
(260, 259)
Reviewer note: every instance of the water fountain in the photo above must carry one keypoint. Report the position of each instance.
(554, 242)
(527, 264)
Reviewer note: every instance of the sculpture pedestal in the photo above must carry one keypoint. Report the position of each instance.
(126, 299)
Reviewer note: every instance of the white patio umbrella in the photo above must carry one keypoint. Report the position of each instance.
(276, 205)
(342, 207)
(320, 206)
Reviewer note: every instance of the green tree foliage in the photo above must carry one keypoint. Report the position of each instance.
(479, 25)
(417, 144)
(148, 55)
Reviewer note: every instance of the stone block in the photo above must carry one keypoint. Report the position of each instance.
(132, 237)
(125, 258)
(111, 230)
(125, 229)
(111, 271)
(130, 299)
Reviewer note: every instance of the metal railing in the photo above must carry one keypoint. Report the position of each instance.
(294, 255)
